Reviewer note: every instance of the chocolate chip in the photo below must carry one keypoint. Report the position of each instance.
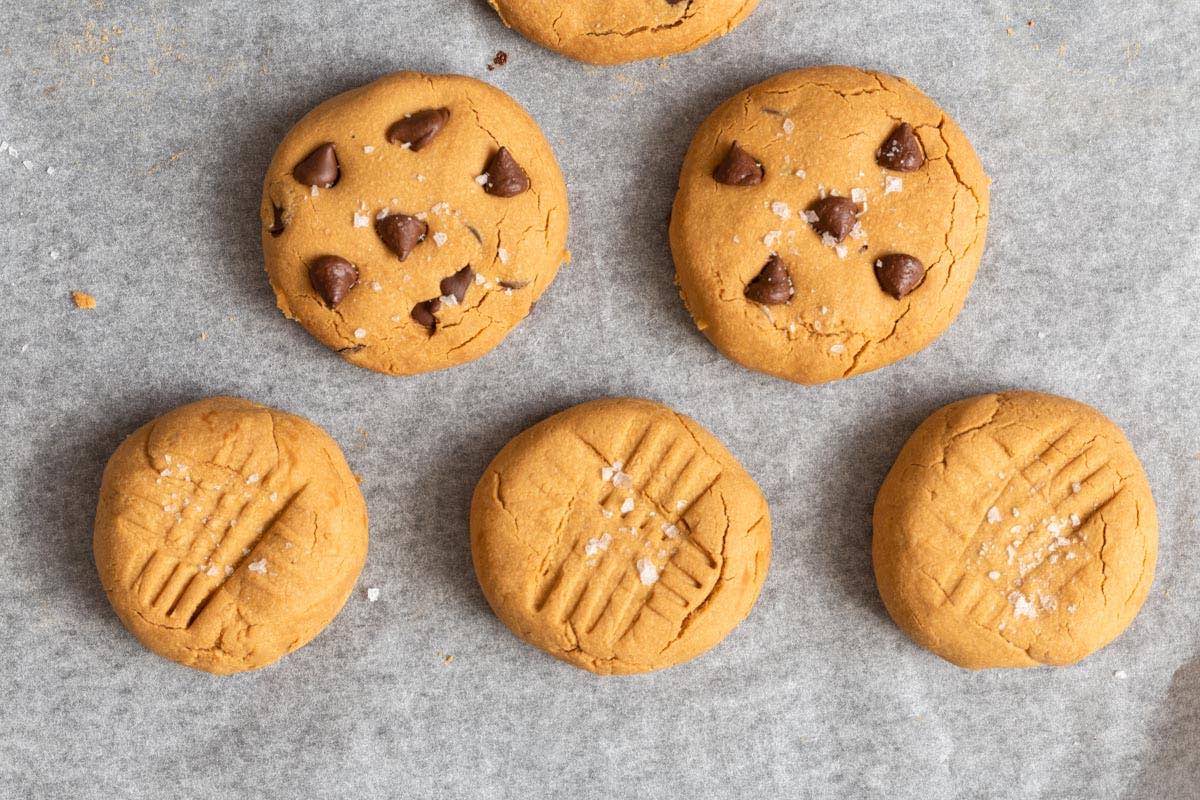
(899, 274)
(401, 233)
(739, 168)
(277, 227)
(423, 313)
(773, 285)
(902, 150)
(457, 284)
(319, 168)
(505, 178)
(514, 285)
(419, 129)
(333, 277)
(835, 216)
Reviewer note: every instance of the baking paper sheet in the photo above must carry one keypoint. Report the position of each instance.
(142, 131)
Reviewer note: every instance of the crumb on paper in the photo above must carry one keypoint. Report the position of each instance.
(83, 300)
(372, 594)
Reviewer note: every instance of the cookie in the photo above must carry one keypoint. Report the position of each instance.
(228, 534)
(410, 224)
(616, 31)
(619, 536)
(829, 221)
(1014, 530)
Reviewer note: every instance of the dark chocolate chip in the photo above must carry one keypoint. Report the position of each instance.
(401, 233)
(902, 150)
(514, 285)
(505, 178)
(419, 129)
(899, 274)
(423, 313)
(457, 284)
(835, 216)
(773, 285)
(277, 227)
(333, 277)
(739, 168)
(319, 168)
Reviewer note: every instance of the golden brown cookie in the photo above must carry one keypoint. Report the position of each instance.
(1014, 530)
(410, 224)
(616, 31)
(829, 221)
(620, 536)
(228, 534)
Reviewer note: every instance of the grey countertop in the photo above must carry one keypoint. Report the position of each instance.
(142, 132)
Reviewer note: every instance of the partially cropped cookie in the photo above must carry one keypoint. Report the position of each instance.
(616, 31)
(829, 222)
(619, 536)
(228, 534)
(1015, 530)
(410, 224)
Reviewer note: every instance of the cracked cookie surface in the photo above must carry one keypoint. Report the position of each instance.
(387, 239)
(617, 31)
(822, 202)
(619, 536)
(228, 534)
(1015, 530)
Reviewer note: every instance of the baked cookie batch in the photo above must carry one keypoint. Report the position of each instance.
(829, 221)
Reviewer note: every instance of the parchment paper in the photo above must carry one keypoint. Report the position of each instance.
(142, 131)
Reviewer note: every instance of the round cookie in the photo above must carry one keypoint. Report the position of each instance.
(829, 221)
(619, 536)
(228, 534)
(1015, 530)
(410, 224)
(616, 31)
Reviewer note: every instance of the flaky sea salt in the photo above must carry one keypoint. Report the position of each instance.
(361, 220)
(647, 572)
(502, 254)
(627, 506)
(789, 127)
(482, 179)
(993, 515)
(801, 174)
(781, 209)
(598, 545)
(1022, 607)
(315, 191)
(372, 594)
(368, 149)
(772, 237)
(858, 195)
(893, 185)
(837, 348)
(360, 333)
(1076, 487)
(670, 531)
(259, 566)
(252, 478)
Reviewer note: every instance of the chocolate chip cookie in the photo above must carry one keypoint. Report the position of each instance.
(619, 536)
(1015, 530)
(228, 534)
(616, 31)
(829, 221)
(410, 224)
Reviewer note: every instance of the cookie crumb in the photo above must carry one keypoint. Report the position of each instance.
(498, 60)
(1121, 675)
(83, 300)
(372, 594)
